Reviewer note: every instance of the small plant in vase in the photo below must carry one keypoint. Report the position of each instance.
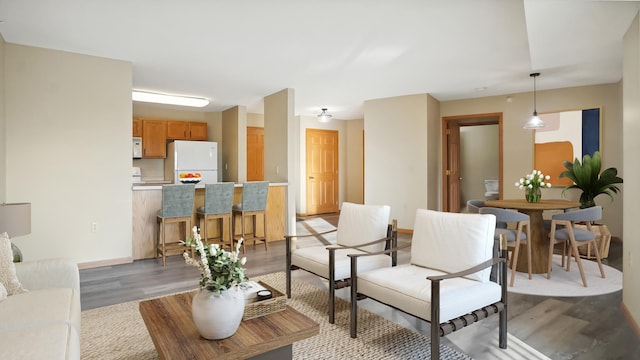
(532, 183)
(218, 307)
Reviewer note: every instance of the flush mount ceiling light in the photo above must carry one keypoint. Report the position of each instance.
(323, 116)
(158, 98)
(535, 122)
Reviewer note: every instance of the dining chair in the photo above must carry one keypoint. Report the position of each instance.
(564, 231)
(515, 237)
(473, 206)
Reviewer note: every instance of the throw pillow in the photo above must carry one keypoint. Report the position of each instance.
(3, 293)
(8, 276)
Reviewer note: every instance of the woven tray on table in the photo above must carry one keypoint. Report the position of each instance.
(278, 302)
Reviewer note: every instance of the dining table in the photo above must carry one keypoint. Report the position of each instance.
(539, 235)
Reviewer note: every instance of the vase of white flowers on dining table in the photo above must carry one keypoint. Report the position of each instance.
(532, 184)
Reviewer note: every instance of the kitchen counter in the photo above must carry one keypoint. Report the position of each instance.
(158, 185)
(147, 200)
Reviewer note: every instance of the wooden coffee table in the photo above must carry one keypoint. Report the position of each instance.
(168, 320)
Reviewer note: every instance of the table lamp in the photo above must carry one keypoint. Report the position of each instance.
(15, 220)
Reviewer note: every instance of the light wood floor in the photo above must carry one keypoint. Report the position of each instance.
(588, 328)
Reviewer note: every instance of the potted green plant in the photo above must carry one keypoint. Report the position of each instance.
(587, 177)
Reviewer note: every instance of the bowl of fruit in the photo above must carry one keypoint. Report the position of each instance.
(190, 178)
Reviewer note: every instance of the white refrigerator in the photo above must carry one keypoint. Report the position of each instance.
(191, 157)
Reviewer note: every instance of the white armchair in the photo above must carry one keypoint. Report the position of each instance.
(446, 281)
(362, 229)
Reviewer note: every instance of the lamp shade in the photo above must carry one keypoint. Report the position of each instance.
(15, 219)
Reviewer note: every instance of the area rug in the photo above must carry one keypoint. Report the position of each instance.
(569, 284)
(118, 331)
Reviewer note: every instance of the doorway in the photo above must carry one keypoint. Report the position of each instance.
(452, 175)
(322, 171)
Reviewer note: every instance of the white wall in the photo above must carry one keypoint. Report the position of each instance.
(68, 152)
(631, 194)
(396, 155)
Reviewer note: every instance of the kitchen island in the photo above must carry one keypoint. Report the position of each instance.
(147, 200)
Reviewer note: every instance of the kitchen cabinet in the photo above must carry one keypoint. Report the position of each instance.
(137, 127)
(154, 139)
(198, 130)
(186, 130)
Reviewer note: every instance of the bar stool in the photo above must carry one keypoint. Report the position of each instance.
(254, 202)
(218, 200)
(177, 207)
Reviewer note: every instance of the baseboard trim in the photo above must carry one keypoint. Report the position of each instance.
(630, 320)
(109, 262)
(405, 231)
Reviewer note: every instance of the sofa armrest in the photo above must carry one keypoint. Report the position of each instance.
(48, 274)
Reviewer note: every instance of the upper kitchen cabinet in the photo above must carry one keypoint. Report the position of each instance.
(198, 130)
(137, 127)
(186, 130)
(154, 139)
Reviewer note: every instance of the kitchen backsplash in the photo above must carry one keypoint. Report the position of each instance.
(151, 169)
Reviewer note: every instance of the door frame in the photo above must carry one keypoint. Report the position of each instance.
(468, 120)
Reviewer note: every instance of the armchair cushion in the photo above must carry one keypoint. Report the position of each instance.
(450, 242)
(315, 260)
(406, 287)
(360, 224)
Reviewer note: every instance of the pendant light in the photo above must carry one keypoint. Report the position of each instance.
(535, 122)
(323, 116)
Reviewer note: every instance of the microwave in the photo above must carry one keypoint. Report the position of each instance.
(137, 148)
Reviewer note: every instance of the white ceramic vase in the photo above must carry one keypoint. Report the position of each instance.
(217, 315)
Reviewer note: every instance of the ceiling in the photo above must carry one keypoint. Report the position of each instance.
(335, 53)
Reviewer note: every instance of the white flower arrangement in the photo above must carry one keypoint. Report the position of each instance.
(219, 269)
(532, 182)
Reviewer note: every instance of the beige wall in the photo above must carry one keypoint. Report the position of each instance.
(280, 144)
(434, 134)
(255, 120)
(68, 152)
(631, 125)
(354, 169)
(234, 148)
(396, 155)
(3, 142)
(518, 142)
(478, 160)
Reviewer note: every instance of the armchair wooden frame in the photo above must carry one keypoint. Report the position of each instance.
(439, 329)
(391, 241)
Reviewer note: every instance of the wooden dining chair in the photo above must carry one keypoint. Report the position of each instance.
(515, 237)
(564, 231)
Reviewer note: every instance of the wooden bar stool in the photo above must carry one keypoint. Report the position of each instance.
(177, 207)
(218, 200)
(254, 202)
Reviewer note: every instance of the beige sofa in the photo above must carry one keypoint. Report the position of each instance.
(44, 322)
